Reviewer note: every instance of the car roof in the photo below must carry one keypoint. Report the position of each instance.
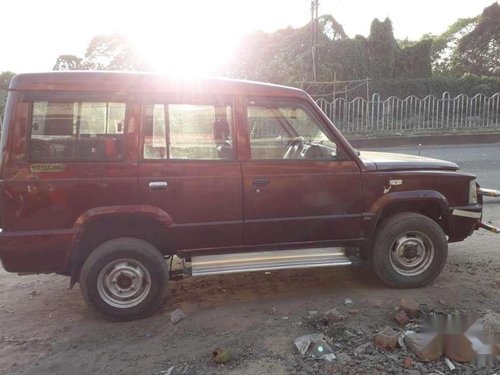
(134, 82)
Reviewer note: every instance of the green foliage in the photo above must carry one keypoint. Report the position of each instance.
(470, 45)
(468, 84)
(382, 49)
(69, 62)
(104, 52)
(286, 56)
(480, 49)
(350, 59)
(414, 61)
(331, 28)
(278, 58)
(444, 54)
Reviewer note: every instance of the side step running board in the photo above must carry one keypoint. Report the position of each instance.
(268, 260)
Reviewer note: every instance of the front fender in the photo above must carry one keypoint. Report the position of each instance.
(411, 197)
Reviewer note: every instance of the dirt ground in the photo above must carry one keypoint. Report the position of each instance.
(47, 329)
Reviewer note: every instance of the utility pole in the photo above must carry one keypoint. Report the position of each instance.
(314, 37)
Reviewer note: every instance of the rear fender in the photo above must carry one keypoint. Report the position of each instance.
(73, 259)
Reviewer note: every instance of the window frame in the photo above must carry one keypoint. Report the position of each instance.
(165, 99)
(71, 97)
(268, 102)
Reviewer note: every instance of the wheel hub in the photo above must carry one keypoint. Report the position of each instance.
(410, 251)
(412, 254)
(124, 283)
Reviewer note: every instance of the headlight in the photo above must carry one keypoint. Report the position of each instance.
(473, 192)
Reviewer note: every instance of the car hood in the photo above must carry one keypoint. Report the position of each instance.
(388, 161)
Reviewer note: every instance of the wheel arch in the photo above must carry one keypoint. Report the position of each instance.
(429, 203)
(102, 224)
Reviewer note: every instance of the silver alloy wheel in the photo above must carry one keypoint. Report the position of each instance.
(124, 283)
(411, 254)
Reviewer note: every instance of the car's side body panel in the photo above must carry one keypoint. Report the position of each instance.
(204, 200)
(304, 201)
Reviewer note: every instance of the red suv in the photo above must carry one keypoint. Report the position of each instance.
(105, 177)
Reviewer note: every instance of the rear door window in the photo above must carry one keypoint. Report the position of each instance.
(188, 131)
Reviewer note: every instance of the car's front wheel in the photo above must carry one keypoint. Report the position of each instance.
(410, 250)
(124, 279)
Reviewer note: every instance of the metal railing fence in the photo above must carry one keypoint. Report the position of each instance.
(395, 115)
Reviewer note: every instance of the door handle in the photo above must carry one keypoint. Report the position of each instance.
(158, 185)
(261, 182)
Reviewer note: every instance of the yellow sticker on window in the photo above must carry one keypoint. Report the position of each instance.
(37, 168)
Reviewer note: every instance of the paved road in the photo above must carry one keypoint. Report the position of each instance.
(481, 159)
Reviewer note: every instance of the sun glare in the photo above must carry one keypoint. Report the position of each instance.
(194, 47)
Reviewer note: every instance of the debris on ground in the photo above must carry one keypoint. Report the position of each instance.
(333, 316)
(450, 365)
(426, 346)
(321, 350)
(315, 345)
(491, 323)
(353, 311)
(177, 315)
(459, 348)
(167, 371)
(402, 318)
(409, 306)
(220, 355)
(34, 294)
(361, 349)
(343, 358)
(407, 362)
(303, 342)
(348, 301)
(387, 338)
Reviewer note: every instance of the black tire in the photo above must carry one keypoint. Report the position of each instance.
(126, 260)
(397, 244)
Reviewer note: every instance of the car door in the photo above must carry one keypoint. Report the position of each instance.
(188, 169)
(299, 185)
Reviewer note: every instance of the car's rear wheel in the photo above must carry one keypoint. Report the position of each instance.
(410, 250)
(124, 279)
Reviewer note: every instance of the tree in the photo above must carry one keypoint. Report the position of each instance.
(104, 52)
(444, 54)
(414, 60)
(383, 49)
(69, 62)
(331, 28)
(480, 49)
(112, 52)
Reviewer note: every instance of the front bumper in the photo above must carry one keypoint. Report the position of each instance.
(488, 193)
(462, 221)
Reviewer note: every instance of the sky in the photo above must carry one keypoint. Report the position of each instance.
(172, 34)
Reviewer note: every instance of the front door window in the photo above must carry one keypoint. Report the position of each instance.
(287, 132)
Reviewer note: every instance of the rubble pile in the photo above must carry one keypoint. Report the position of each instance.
(420, 340)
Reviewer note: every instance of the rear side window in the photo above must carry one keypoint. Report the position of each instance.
(65, 131)
(188, 132)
